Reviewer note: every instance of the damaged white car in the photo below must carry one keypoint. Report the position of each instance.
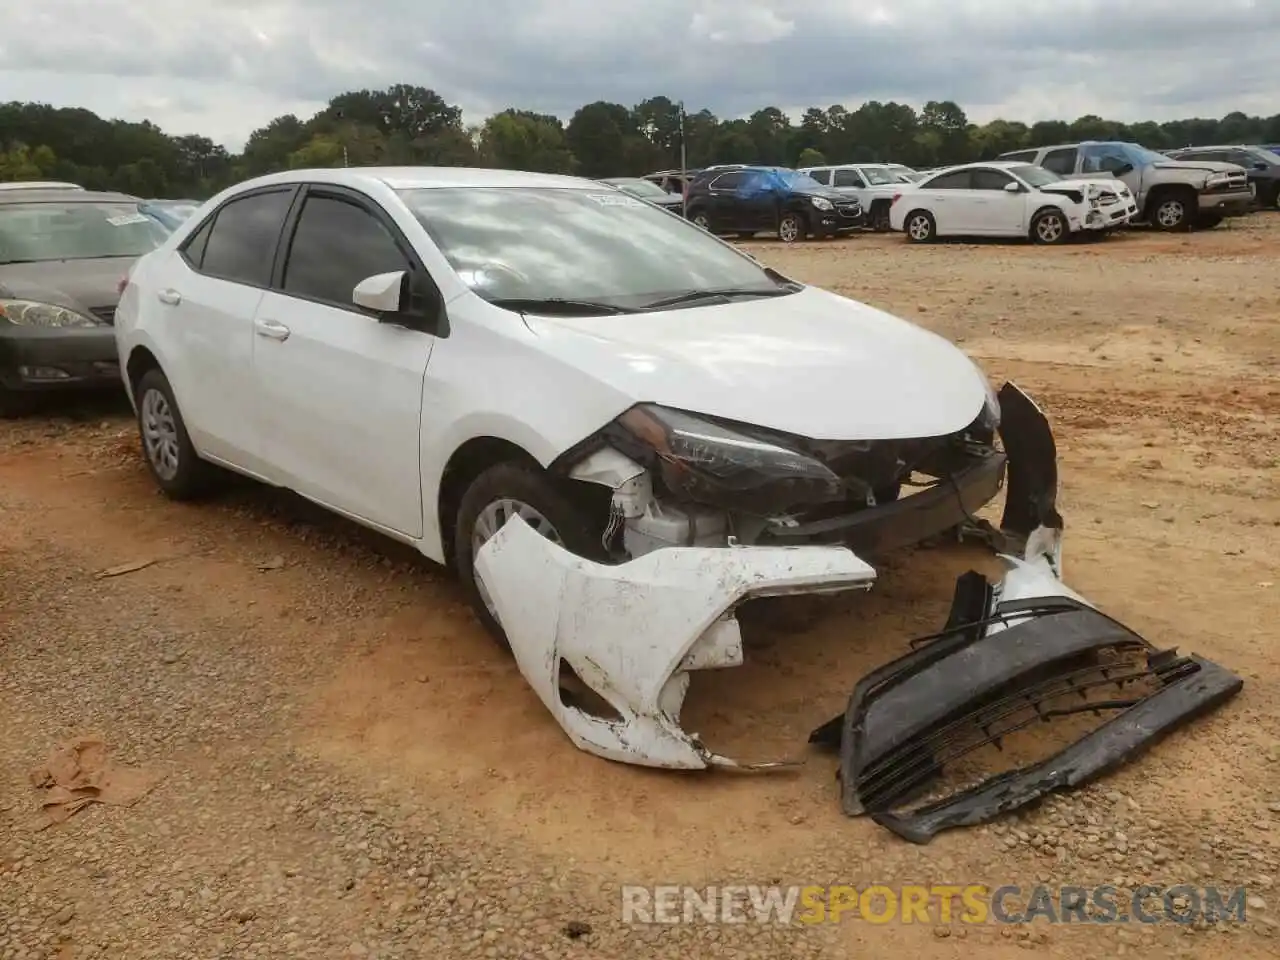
(432, 352)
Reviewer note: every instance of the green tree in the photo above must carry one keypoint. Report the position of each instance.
(520, 140)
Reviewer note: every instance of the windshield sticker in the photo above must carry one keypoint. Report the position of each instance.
(615, 200)
(127, 219)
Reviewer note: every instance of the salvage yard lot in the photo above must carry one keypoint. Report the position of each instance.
(351, 768)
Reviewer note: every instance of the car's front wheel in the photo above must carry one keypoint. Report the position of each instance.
(493, 498)
(1050, 226)
(699, 218)
(166, 446)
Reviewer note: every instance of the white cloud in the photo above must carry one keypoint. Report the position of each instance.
(229, 66)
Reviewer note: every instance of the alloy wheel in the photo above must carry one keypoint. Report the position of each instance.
(919, 228)
(160, 434)
(789, 229)
(492, 519)
(1171, 213)
(1050, 228)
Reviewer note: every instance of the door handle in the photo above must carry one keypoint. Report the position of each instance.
(171, 297)
(271, 328)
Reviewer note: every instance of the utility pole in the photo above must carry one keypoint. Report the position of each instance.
(684, 164)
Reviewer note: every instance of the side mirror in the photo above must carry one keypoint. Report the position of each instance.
(381, 293)
(1012, 188)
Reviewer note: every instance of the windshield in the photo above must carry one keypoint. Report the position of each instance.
(640, 188)
(1141, 156)
(548, 243)
(34, 232)
(1262, 156)
(1036, 176)
(877, 176)
(794, 180)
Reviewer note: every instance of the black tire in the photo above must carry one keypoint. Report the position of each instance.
(1050, 227)
(193, 478)
(926, 227)
(698, 217)
(15, 403)
(529, 485)
(1172, 210)
(880, 216)
(792, 227)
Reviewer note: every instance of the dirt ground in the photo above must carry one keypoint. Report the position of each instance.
(351, 768)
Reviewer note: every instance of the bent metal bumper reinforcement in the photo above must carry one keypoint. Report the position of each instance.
(998, 668)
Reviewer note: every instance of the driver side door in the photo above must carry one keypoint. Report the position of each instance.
(338, 390)
(996, 211)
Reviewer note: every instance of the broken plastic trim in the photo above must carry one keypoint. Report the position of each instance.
(1013, 655)
(631, 632)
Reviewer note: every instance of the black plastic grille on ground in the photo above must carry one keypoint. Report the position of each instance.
(918, 720)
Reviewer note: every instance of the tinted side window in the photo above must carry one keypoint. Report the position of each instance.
(847, 178)
(728, 181)
(1061, 161)
(193, 250)
(948, 181)
(990, 179)
(1025, 156)
(336, 245)
(822, 176)
(243, 242)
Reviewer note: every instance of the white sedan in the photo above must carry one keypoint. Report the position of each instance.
(1008, 199)
(452, 356)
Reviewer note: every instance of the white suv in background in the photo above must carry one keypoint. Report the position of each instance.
(874, 184)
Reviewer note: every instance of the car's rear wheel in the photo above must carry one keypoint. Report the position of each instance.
(920, 227)
(792, 227)
(499, 493)
(699, 218)
(1050, 227)
(166, 446)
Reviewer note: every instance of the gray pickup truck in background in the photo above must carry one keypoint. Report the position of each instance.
(1171, 194)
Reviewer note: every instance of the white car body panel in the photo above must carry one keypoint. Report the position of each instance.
(633, 632)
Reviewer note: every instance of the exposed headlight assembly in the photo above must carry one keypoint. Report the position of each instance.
(713, 464)
(821, 203)
(31, 313)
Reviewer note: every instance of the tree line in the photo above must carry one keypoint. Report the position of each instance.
(410, 125)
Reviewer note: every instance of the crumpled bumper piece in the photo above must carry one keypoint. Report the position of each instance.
(1014, 656)
(632, 632)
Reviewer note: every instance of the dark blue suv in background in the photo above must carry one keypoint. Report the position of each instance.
(748, 200)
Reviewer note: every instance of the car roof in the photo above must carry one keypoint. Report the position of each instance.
(62, 195)
(1220, 146)
(39, 185)
(412, 178)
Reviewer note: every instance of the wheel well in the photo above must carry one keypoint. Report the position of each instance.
(468, 462)
(140, 361)
(1047, 206)
(1165, 189)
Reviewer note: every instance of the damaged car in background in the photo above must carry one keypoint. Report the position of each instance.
(612, 425)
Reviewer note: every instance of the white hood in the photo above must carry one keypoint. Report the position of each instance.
(813, 364)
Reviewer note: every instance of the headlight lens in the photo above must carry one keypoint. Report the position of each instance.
(713, 464)
(31, 313)
(820, 203)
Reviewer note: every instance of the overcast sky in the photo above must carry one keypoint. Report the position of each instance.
(224, 67)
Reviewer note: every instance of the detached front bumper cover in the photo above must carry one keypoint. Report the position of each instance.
(633, 632)
(1014, 655)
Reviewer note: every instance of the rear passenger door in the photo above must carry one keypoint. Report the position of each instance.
(338, 391)
(207, 295)
(948, 198)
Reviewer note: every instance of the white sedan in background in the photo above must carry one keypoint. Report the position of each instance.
(1008, 199)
